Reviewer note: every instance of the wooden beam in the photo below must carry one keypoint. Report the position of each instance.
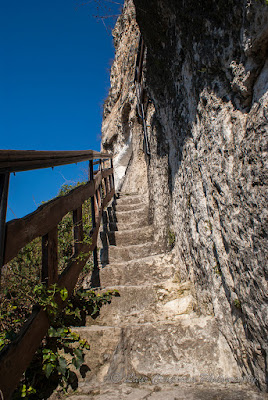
(50, 257)
(21, 231)
(16, 357)
(4, 183)
(25, 160)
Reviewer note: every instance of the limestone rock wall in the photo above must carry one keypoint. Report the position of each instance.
(121, 130)
(206, 74)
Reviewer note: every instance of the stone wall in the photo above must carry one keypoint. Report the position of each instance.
(206, 73)
(207, 76)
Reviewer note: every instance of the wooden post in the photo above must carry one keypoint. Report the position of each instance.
(105, 187)
(50, 257)
(91, 177)
(77, 229)
(93, 215)
(112, 179)
(4, 183)
(99, 196)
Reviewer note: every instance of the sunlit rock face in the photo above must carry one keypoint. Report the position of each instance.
(206, 74)
(121, 130)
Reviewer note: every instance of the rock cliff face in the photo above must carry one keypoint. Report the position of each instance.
(121, 133)
(206, 76)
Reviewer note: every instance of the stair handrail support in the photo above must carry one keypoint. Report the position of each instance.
(15, 357)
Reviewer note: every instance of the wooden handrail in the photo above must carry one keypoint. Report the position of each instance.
(21, 231)
(15, 358)
(26, 160)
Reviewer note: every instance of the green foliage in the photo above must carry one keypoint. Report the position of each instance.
(217, 270)
(46, 298)
(171, 238)
(16, 295)
(237, 304)
(63, 350)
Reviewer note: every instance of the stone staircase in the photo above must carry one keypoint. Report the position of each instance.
(149, 343)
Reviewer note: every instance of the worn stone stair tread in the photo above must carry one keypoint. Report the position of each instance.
(140, 207)
(186, 320)
(163, 257)
(122, 310)
(140, 214)
(129, 207)
(121, 195)
(129, 237)
(128, 275)
(167, 391)
(135, 272)
(119, 226)
(131, 200)
(183, 390)
(188, 348)
(127, 253)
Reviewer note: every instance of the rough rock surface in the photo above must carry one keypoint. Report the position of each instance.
(206, 73)
(120, 132)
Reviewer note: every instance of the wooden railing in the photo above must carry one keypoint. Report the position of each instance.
(15, 234)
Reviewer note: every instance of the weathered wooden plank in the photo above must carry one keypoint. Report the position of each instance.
(93, 214)
(15, 358)
(24, 160)
(70, 275)
(21, 231)
(4, 183)
(107, 172)
(50, 257)
(105, 187)
(99, 196)
(77, 229)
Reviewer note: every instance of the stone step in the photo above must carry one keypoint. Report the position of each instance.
(191, 348)
(119, 226)
(115, 254)
(135, 388)
(132, 199)
(153, 269)
(146, 303)
(140, 214)
(128, 237)
(129, 207)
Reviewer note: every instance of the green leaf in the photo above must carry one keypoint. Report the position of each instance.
(77, 362)
(31, 390)
(62, 367)
(23, 391)
(63, 294)
(48, 368)
(79, 354)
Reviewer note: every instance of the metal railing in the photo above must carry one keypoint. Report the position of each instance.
(43, 222)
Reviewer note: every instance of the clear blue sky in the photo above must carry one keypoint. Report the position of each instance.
(54, 77)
